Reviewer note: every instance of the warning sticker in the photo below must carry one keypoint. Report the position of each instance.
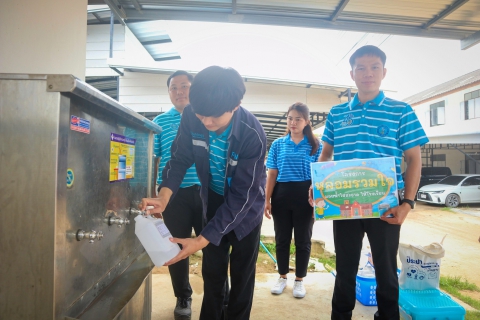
(79, 124)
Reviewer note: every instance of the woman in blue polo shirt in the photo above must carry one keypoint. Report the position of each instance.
(286, 200)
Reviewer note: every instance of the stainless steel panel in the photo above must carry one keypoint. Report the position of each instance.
(28, 156)
(46, 272)
(134, 287)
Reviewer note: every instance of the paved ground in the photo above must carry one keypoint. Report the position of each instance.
(424, 225)
(315, 305)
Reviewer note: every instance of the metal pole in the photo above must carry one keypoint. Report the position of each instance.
(349, 94)
(112, 23)
(118, 88)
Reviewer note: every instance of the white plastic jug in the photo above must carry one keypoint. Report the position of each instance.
(154, 236)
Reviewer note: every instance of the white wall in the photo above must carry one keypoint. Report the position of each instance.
(274, 98)
(456, 129)
(46, 36)
(98, 48)
(144, 92)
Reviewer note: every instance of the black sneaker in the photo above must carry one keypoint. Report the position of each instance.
(183, 309)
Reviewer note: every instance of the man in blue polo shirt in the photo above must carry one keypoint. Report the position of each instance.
(185, 210)
(372, 126)
(227, 144)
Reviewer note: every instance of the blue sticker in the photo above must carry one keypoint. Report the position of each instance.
(383, 131)
(70, 178)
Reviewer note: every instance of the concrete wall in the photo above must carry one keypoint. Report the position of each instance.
(45, 36)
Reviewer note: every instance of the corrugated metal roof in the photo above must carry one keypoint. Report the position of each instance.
(275, 123)
(444, 88)
(153, 40)
(314, 85)
(447, 19)
(106, 84)
(148, 34)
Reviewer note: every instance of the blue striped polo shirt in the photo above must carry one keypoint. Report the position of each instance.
(292, 160)
(170, 121)
(218, 159)
(381, 127)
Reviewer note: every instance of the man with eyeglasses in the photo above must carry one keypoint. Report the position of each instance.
(184, 211)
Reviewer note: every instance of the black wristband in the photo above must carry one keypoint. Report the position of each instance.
(410, 202)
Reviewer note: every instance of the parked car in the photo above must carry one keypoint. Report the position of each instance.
(430, 175)
(433, 175)
(452, 190)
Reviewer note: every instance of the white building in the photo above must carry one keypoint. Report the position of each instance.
(450, 115)
(134, 78)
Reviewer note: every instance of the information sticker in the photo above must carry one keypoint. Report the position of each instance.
(122, 157)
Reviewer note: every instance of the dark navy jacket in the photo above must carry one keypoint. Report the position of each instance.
(245, 172)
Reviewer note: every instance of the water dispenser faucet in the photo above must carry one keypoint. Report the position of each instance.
(118, 221)
(140, 212)
(89, 235)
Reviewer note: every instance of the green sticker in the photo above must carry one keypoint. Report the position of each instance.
(70, 178)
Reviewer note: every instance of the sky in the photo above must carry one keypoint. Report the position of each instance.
(321, 56)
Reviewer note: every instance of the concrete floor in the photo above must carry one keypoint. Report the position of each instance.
(315, 305)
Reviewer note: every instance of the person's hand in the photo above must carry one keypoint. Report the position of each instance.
(310, 195)
(189, 247)
(397, 214)
(268, 210)
(153, 206)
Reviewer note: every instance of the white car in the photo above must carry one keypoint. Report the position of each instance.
(452, 190)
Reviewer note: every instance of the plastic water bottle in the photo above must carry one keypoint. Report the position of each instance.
(154, 236)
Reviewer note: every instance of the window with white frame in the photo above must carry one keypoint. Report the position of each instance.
(437, 113)
(472, 105)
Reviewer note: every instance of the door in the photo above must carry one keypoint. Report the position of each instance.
(471, 189)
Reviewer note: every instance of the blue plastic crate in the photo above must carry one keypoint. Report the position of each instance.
(365, 291)
(429, 305)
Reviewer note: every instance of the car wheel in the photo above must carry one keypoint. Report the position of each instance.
(452, 200)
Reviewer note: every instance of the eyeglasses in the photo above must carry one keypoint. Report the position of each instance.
(181, 88)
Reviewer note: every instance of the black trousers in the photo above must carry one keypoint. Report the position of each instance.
(242, 258)
(383, 238)
(182, 213)
(291, 211)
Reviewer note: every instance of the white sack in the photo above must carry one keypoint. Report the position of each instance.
(420, 266)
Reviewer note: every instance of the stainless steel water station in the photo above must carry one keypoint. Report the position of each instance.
(73, 165)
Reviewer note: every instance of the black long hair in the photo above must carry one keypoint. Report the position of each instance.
(308, 130)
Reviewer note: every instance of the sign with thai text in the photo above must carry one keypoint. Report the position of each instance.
(122, 157)
(354, 189)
